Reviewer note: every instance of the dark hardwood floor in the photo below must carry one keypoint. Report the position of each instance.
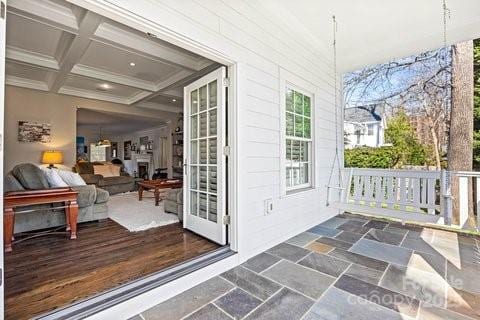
(49, 272)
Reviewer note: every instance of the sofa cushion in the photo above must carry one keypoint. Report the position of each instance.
(86, 195)
(102, 196)
(11, 183)
(30, 176)
(84, 167)
(71, 178)
(110, 181)
(53, 178)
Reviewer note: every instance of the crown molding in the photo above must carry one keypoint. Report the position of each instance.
(45, 12)
(26, 83)
(92, 95)
(159, 106)
(96, 73)
(31, 58)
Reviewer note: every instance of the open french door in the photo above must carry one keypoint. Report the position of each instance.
(204, 140)
(3, 17)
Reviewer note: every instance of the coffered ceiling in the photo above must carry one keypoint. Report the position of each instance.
(55, 46)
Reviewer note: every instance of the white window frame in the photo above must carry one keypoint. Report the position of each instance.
(91, 153)
(290, 81)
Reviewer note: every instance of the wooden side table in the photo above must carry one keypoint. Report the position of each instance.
(13, 200)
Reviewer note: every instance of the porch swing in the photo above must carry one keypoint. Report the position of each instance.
(405, 195)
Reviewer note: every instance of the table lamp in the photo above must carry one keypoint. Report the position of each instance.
(52, 157)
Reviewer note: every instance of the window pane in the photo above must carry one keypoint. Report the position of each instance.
(290, 124)
(304, 151)
(288, 151)
(289, 175)
(212, 180)
(289, 100)
(306, 106)
(193, 203)
(202, 212)
(212, 93)
(203, 98)
(203, 178)
(298, 126)
(212, 121)
(194, 152)
(298, 101)
(212, 151)
(303, 178)
(203, 151)
(296, 150)
(194, 178)
(194, 101)
(212, 208)
(306, 128)
(194, 127)
(203, 124)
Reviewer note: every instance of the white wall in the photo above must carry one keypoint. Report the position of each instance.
(239, 31)
(261, 46)
(61, 112)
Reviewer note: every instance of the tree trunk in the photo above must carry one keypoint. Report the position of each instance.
(460, 153)
(436, 149)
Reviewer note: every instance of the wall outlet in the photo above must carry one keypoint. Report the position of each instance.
(268, 206)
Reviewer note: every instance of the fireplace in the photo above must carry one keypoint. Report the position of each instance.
(143, 164)
(143, 170)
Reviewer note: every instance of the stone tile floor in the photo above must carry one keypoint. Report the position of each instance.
(348, 267)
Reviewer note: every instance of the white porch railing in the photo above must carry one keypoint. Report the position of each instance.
(409, 195)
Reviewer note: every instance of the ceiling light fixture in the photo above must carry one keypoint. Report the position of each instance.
(132, 64)
(174, 100)
(105, 86)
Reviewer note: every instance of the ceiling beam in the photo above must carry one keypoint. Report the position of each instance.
(30, 58)
(75, 51)
(138, 43)
(46, 12)
(159, 106)
(181, 82)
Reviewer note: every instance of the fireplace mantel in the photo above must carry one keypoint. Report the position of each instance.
(139, 158)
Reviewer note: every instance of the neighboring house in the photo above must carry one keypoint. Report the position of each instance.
(364, 126)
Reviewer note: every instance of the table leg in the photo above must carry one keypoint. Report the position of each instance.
(72, 213)
(8, 223)
(140, 192)
(67, 216)
(157, 197)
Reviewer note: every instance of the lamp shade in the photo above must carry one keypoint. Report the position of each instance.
(52, 157)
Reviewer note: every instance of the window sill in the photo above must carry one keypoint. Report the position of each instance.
(295, 192)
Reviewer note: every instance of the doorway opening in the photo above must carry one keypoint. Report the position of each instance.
(140, 125)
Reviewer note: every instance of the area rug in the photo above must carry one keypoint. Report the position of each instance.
(134, 215)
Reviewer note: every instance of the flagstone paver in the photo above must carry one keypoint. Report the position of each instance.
(348, 267)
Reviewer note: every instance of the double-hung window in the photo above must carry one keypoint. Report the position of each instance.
(298, 139)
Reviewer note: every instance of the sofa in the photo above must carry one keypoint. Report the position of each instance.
(174, 202)
(92, 201)
(117, 184)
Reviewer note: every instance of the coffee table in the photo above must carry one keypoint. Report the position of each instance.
(158, 187)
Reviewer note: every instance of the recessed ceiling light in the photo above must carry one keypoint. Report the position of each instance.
(174, 100)
(132, 64)
(104, 86)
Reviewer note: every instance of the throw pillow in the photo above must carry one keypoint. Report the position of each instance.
(71, 178)
(30, 176)
(107, 170)
(53, 178)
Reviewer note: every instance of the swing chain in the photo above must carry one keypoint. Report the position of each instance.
(336, 157)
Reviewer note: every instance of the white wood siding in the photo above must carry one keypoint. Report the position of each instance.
(240, 31)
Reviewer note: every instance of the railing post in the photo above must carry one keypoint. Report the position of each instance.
(446, 197)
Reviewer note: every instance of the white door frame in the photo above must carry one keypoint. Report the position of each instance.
(134, 21)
